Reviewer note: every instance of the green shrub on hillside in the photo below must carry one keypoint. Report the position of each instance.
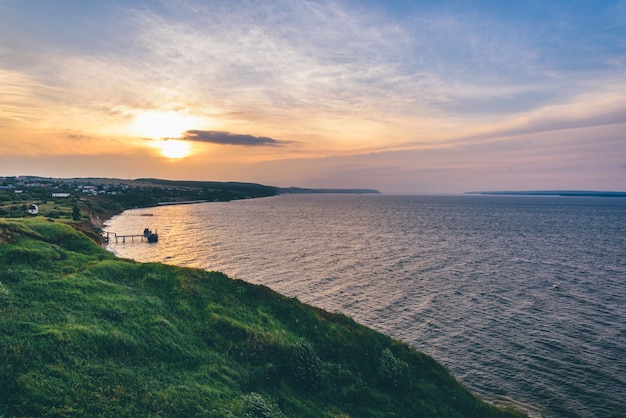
(306, 366)
(258, 406)
(4, 297)
(393, 371)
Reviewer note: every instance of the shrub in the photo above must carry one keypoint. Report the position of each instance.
(76, 213)
(23, 256)
(259, 407)
(393, 371)
(5, 297)
(13, 275)
(306, 366)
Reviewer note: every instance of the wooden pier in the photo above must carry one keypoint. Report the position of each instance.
(147, 235)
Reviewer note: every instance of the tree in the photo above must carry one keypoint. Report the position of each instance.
(76, 213)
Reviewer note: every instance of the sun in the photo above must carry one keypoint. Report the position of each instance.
(173, 148)
(164, 128)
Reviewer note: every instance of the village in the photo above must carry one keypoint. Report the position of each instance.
(22, 196)
(55, 198)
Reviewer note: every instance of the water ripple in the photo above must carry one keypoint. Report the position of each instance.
(523, 299)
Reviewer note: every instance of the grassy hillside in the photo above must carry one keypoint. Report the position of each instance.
(85, 333)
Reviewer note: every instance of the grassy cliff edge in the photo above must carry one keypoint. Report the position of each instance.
(84, 333)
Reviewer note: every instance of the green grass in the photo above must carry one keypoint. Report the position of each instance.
(83, 333)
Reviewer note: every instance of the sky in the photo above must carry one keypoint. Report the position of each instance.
(422, 96)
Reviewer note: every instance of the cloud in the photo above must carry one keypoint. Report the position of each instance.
(227, 138)
(21, 97)
(77, 137)
(588, 110)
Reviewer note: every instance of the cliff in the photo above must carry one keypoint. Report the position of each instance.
(83, 333)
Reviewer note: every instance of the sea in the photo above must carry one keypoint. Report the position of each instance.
(522, 298)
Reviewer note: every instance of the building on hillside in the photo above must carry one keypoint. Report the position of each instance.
(33, 209)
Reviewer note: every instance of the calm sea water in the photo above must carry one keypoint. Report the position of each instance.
(522, 298)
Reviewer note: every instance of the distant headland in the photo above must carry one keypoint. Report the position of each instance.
(560, 193)
(226, 189)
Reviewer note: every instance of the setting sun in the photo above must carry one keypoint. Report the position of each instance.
(173, 148)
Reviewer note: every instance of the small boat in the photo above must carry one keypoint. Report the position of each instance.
(150, 236)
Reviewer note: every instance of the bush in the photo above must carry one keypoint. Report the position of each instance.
(306, 366)
(13, 274)
(76, 213)
(393, 371)
(5, 297)
(24, 256)
(259, 407)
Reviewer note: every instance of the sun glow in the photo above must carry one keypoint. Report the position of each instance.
(173, 148)
(164, 128)
(168, 124)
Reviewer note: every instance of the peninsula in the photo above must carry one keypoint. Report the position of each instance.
(561, 193)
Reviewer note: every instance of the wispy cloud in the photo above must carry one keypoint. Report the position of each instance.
(226, 138)
(22, 97)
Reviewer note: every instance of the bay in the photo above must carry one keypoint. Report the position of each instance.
(522, 298)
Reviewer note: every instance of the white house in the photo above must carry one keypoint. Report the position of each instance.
(33, 209)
